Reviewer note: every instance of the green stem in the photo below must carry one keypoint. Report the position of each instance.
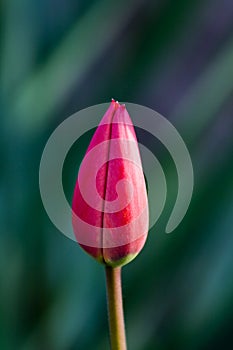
(115, 308)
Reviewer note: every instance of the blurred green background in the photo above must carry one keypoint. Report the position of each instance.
(58, 57)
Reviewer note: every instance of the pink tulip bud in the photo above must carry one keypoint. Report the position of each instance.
(110, 208)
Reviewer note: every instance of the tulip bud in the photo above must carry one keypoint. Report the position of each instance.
(110, 208)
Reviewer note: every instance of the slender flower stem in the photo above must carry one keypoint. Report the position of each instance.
(115, 308)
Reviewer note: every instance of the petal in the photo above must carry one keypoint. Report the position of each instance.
(126, 228)
(84, 213)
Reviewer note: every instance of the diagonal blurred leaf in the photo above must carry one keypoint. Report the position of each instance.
(207, 95)
(47, 89)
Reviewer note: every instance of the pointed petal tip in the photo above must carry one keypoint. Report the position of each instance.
(121, 115)
(115, 103)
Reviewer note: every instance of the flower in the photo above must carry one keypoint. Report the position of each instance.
(110, 208)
